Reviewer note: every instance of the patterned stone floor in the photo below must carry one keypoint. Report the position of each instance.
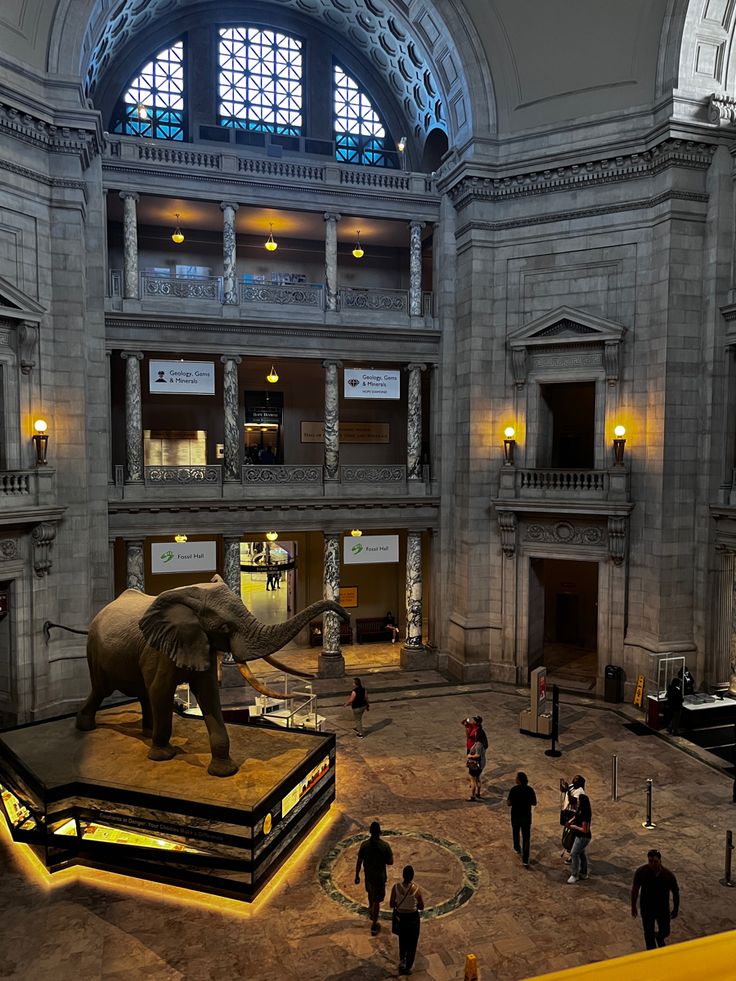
(409, 772)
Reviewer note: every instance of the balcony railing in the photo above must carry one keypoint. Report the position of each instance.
(564, 486)
(283, 294)
(156, 476)
(266, 475)
(382, 300)
(181, 287)
(26, 488)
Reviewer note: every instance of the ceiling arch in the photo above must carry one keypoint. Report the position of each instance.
(410, 46)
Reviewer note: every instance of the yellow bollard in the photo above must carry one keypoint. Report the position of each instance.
(471, 968)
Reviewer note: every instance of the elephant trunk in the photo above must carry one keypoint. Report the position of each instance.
(264, 639)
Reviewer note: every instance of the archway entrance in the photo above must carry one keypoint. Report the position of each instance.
(563, 621)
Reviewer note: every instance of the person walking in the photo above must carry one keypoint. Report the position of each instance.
(407, 903)
(655, 883)
(475, 762)
(521, 800)
(358, 702)
(580, 824)
(373, 856)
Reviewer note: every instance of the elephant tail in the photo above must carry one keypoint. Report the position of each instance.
(72, 630)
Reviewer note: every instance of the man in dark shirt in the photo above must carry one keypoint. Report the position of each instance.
(521, 800)
(374, 855)
(656, 883)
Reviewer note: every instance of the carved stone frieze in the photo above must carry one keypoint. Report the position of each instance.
(564, 533)
(27, 347)
(722, 109)
(42, 536)
(8, 549)
(84, 143)
(617, 538)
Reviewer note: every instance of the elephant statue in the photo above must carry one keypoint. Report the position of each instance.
(145, 646)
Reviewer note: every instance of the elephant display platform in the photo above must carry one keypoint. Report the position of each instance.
(93, 799)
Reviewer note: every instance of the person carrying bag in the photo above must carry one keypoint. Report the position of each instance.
(407, 902)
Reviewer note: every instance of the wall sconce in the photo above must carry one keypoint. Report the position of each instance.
(177, 236)
(272, 535)
(180, 539)
(272, 376)
(40, 441)
(358, 251)
(141, 111)
(356, 532)
(271, 244)
(509, 444)
(618, 445)
(401, 145)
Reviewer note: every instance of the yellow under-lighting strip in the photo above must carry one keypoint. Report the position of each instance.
(127, 886)
(115, 836)
(706, 957)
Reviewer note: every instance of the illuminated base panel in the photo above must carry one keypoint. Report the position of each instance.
(94, 799)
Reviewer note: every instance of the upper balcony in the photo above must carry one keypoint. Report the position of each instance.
(547, 489)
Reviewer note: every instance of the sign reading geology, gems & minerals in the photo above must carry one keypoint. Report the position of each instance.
(181, 377)
(362, 384)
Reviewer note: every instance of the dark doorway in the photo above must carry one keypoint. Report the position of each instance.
(567, 426)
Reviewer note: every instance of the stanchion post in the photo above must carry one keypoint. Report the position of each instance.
(727, 880)
(614, 776)
(649, 824)
(554, 751)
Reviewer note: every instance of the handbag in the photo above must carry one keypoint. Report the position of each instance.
(395, 919)
(568, 837)
(566, 814)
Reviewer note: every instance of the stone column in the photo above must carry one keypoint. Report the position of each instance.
(415, 268)
(133, 416)
(233, 435)
(332, 420)
(331, 261)
(231, 575)
(414, 422)
(331, 661)
(724, 633)
(130, 245)
(134, 575)
(413, 653)
(229, 253)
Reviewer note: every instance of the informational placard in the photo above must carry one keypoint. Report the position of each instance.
(177, 377)
(370, 549)
(348, 597)
(289, 802)
(167, 557)
(363, 384)
(350, 432)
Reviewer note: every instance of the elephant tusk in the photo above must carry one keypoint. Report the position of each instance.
(282, 667)
(248, 675)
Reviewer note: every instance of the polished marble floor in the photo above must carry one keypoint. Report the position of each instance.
(409, 772)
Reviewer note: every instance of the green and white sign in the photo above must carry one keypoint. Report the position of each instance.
(183, 557)
(370, 549)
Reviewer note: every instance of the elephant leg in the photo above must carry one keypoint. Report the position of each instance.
(204, 686)
(161, 700)
(86, 714)
(146, 716)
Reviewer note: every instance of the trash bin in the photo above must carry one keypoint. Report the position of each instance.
(613, 683)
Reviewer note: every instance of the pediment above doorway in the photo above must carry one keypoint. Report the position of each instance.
(566, 334)
(17, 305)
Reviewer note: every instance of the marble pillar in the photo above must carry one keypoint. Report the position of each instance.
(331, 661)
(134, 574)
(231, 575)
(414, 422)
(133, 416)
(233, 433)
(130, 245)
(415, 268)
(331, 261)
(332, 419)
(413, 643)
(229, 253)
(722, 671)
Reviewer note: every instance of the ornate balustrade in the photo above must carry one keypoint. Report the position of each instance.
(26, 488)
(265, 475)
(372, 474)
(190, 287)
(285, 294)
(568, 483)
(16, 483)
(382, 300)
(197, 475)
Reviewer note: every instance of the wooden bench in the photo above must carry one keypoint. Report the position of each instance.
(315, 633)
(368, 629)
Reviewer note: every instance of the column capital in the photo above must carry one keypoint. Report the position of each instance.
(133, 542)
(138, 355)
(129, 196)
(415, 223)
(332, 534)
(331, 216)
(229, 204)
(331, 363)
(224, 358)
(415, 366)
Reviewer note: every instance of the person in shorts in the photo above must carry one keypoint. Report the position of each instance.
(373, 856)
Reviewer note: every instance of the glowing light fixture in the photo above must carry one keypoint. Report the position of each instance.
(271, 244)
(619, 443)
(272, 376)
(180, 539)
(40, 441)
(358, 250)
(177, 236)
(141, 111)
(509, 445)
(272, 535)
(356, 532)
(401, 145)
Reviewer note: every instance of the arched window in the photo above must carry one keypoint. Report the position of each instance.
(260, 83)
(360, 136)
(153, 104)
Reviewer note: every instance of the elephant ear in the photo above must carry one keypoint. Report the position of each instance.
(173, 627)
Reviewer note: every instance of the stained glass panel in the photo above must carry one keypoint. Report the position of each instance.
(153, 105)
(260, 83)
